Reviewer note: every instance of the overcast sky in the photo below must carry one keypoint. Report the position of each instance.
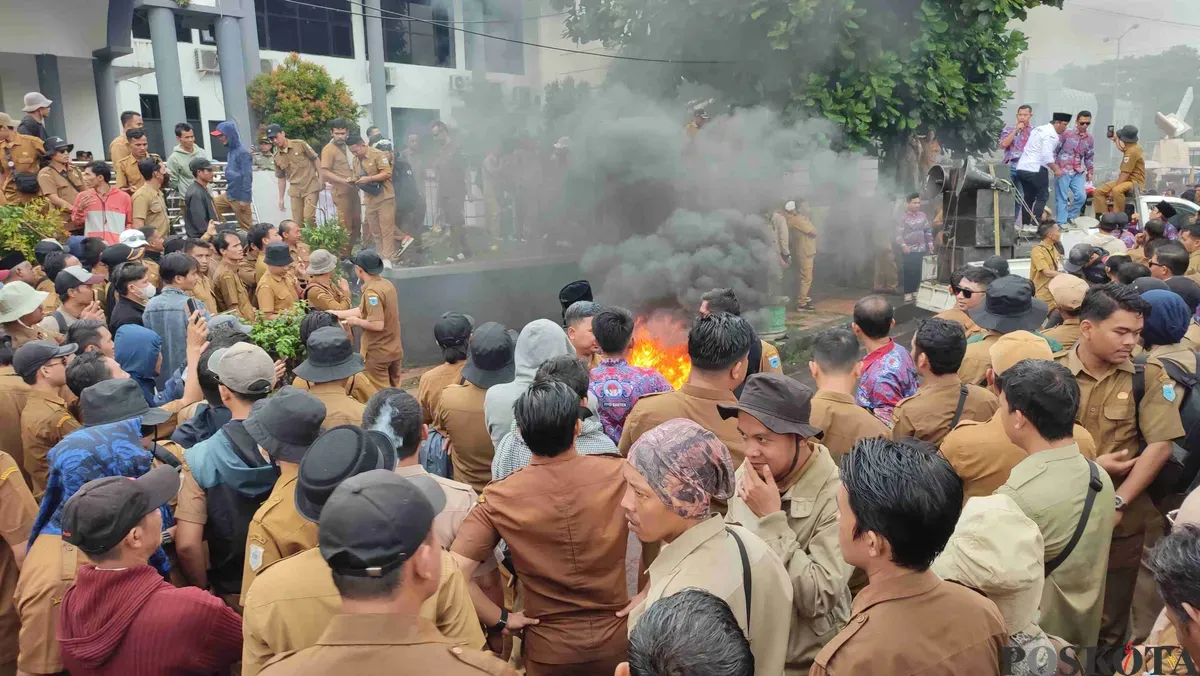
(1076, 33)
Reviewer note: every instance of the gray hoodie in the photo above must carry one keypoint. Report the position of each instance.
(540, 340)
(177, 165)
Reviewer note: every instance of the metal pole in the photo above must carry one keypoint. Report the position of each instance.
(106, 98)
(233, 74)
(166, 71)
(380, 113)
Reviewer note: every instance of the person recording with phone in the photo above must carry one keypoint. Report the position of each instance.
(167, 313)
(1133, 171)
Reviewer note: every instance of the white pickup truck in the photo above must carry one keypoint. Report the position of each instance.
(935, 296)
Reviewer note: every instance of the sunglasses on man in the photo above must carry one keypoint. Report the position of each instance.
(965, 293)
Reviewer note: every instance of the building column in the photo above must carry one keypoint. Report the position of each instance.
(166, 71)
(51, 88)
(380, 113)
(251, 58)
(233, 75)
(106, 99)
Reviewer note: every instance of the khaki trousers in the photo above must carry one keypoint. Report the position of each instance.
(243, 211)
(1114, 189)
(384, 374)
(804, 276)
(381, 227)
(349, 208)
(304, 208)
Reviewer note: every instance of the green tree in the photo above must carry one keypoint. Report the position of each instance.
(883, 70)
(301, 97)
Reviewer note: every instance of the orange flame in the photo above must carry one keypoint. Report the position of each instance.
(660, 343)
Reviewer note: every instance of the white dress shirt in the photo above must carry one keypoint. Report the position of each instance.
(1039, 150)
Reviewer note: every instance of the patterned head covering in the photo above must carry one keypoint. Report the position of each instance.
(686, 465)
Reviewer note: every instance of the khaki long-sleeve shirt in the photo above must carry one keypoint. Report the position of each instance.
(277, 530)
(804, 534)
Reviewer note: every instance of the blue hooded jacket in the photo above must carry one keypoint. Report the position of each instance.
(137, 349)
(239, 167)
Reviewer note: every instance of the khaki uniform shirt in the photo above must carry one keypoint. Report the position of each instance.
(295, 163)
(336, 160)
(127, 173)
(1043, 257)
(293, 600)
(460, 418)
(1133, 162)
(706, 557)
(326, 297)
(956, 315)
(231, 292)
(1193, 263)
(1067, 333)
(983, 457)
(340, 408)
(22, 334)
(690, 401)
(978, 359)
(770, 362)
(1050, 488)
(47, 573)
(1191, 339)
(52, 301)
(277, 530)
(917, 624)
(66, 185)
(44, 422)
(1108, 411)
(300, 254)
(17, 513)
(568, 503)
(433, 381)
(802, 232)
(927, 414)
(247, 270)
(376, 162)
(804, 534)
(260, 269)
(359, 387)
(276, 294)
(13, 395)
(150, 206)
(380, 302)
(204, 293)
(119, 148)
(24, 152)
(844, 422)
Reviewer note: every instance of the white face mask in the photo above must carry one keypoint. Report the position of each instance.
(148, 291)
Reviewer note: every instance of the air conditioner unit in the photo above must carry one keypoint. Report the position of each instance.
(458, 83)
(206, 61)
(391, 76)
(266, 65)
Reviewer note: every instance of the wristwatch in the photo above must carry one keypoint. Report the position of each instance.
(500, 626)
(1120, 502)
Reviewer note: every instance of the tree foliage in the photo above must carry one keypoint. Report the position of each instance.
(883, 70)
(22, 227)
(302, 97)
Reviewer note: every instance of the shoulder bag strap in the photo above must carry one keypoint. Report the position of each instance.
(746, 580)
(962, 400)
(1094, 487)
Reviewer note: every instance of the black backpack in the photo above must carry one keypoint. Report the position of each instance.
(1179, 475)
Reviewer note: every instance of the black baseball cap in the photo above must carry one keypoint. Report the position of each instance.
(273, 130)
(490, 359)
(103, 511)
(72, 277)
(116, 254)
(369, 261)
(46, 247)
(374, 522)
(338, 454)
(453, 329)
(286, 424)
(33, 355)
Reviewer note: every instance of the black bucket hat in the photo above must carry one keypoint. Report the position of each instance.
(330, 357)
(782, 404)
(338, 454)
(1009, 306)
(277, 254)
(491, 357)
(111, 401)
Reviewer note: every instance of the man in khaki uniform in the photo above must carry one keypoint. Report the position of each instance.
(968, 284)
(452, 333)
(295, 163)
(460, 416)
(1189, 237)
(1052, 485)
(13, 395)
(202, 251)
(289, 232)
(1009, 305)
(337, 169)
(19, 154)
(45, 420)
(374, 523)
(803, 236)
(372, 167)
(331, 363)
(787, 495)
(718, 300)
(149, 205)
(980, 453)
(718, 345)
(21, 313)
(129, 178)
(119, 148)
(941, 401)
(287, 425)
(1111, 317)
(1133, 172)
(228, 287)
(1068, 292)
(277, 291)
(379, 316)
(17, 513)
(835, 367)
(321, 293)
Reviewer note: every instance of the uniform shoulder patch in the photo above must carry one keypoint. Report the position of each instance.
(373, 300)
(254, 554)
(773, 361)
(482, 661)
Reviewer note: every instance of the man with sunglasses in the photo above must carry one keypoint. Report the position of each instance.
(45, 420)
(968, 284)
(59, 181)
(1076, 152)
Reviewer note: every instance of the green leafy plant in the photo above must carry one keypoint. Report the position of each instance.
(330, 236)
(280, 336)
(21, 227)
(302, 97)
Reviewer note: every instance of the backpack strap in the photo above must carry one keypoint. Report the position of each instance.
(747, 582)
(962, 400)
(61, 321)
(1139, 379)
(1094, 488)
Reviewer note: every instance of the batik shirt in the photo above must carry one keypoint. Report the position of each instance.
(616, 387)
(1075, 152)
(914, 232)
(1013, 152)
(888, 375)
(1128, 238)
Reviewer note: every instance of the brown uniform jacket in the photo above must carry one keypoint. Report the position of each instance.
(1043, 257)
(359, 387)
(293, 599)
(433, 381)
(276, 294)
(956, 315)
(978, 359)
(326, 297)
(336, 160)
(844, 422)
(13, 395)
(927, 414)
(247, 270)
(340, 408)
(204, 293)
(917, 624)
(769, 363)
(1133, 162)
(150, 206)
(295, 163)
(460, 417)
(380, 302)
(48, 571)
(119, 148)
(804, 535)
(692, 402)
(52, 302)
(982, 455)
(300, 254)
(231, 292)
(277, 530)
(127, 173)
(17, 513)
(66, 185)
(574, 502)
(22, 334)
(376, 162)
(44, 422)
(23, 152)
(1193, 263)
(1067, 333)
